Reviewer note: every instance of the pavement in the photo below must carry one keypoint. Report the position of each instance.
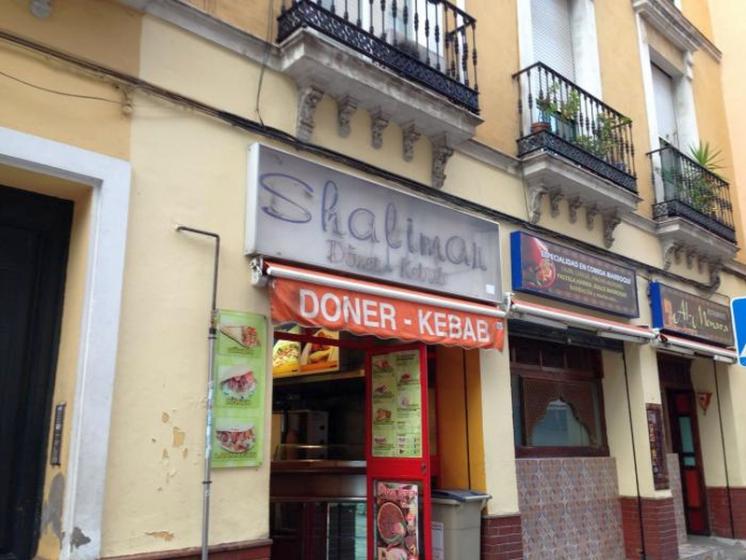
(712, 548)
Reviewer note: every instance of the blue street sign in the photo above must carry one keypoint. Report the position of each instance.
(738, 311)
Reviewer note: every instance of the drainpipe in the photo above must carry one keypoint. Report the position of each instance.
(212, 334)
(643, 554)
(722, 443)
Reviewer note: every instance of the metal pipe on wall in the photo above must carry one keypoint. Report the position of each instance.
(212, 334)
(643, 554)
(722, 443)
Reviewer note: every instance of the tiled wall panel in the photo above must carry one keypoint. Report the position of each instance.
(570, 508)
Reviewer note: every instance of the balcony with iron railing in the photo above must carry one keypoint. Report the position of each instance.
(561, 117)
(574, 147)
(690, 191)
(431, 42)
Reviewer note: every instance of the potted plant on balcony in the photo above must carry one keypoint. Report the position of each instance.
(560, 113)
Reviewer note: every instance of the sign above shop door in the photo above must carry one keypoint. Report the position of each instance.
(303, 212)
(316, 299)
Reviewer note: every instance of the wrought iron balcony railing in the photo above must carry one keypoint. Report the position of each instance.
(691, 191)
(431, 42)
(561, 117)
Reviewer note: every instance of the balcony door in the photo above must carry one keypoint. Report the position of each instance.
(552, 35)
(665, 106)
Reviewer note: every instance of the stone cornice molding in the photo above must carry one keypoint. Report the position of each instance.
(671, 22)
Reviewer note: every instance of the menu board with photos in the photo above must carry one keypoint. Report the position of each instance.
(239, 373)
(396, 404)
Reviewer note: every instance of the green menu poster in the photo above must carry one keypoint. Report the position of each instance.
(240, 376)
(396, 405)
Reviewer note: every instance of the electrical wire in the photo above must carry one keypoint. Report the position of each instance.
(57, 92)
(284, 137)
(265, 60)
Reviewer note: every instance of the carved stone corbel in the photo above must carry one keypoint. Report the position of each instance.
(610, 221)
(671, 254)
(573, 205)
(441, 153)
(555, 197)
(716, 267)
(378, 123)
(346, 107)
(591, 211)
(535, 196)
(308, 99)
(691, 255)
(701, 262)
(410, 135)
(41, 8)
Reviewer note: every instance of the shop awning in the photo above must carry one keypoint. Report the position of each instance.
(320, 299)
(559, 318)
(694, 348)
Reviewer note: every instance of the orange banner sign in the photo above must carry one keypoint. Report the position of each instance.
(385, 317)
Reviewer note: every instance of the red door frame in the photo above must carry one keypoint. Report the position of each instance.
(697, 494)
(416, 470)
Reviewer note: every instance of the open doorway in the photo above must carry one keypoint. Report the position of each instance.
(353, 432)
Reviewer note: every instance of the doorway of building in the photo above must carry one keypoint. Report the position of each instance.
(34, 236)
(683, 430)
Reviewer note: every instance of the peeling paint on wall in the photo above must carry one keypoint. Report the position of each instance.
(178, 437)
(78, 538)
(165, 417)
(163, 535)
(51, 513)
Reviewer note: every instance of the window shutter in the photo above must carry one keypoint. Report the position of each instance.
(552, 35)
(665, 110)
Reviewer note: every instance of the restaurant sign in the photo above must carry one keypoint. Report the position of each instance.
(685, 314)
(555, 271)
(301, 211)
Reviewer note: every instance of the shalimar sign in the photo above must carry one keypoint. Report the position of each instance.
(685, 314)
(308, 213)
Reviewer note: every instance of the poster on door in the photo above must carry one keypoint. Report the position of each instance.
(396, 404)
(397, 520)
(239, 379)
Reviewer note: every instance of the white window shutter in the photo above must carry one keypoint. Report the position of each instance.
(552, 35)
(665, 110)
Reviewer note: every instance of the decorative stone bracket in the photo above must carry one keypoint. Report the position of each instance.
(378, 123)
(410, 135)
(441, 153)
(610, 218)
(346, 107)
(308, 99)
(675, 252)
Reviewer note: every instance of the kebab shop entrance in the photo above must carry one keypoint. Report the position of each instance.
(371, 396)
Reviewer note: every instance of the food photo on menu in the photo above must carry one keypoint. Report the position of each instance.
(396, 521)
(538, 270)
(237, 382)
(234, 436)
(246, 336)
(291, 357)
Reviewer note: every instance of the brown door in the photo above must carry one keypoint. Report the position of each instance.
(34, 233)
(685, 441)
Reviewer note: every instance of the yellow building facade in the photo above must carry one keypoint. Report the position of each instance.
(556, 134)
